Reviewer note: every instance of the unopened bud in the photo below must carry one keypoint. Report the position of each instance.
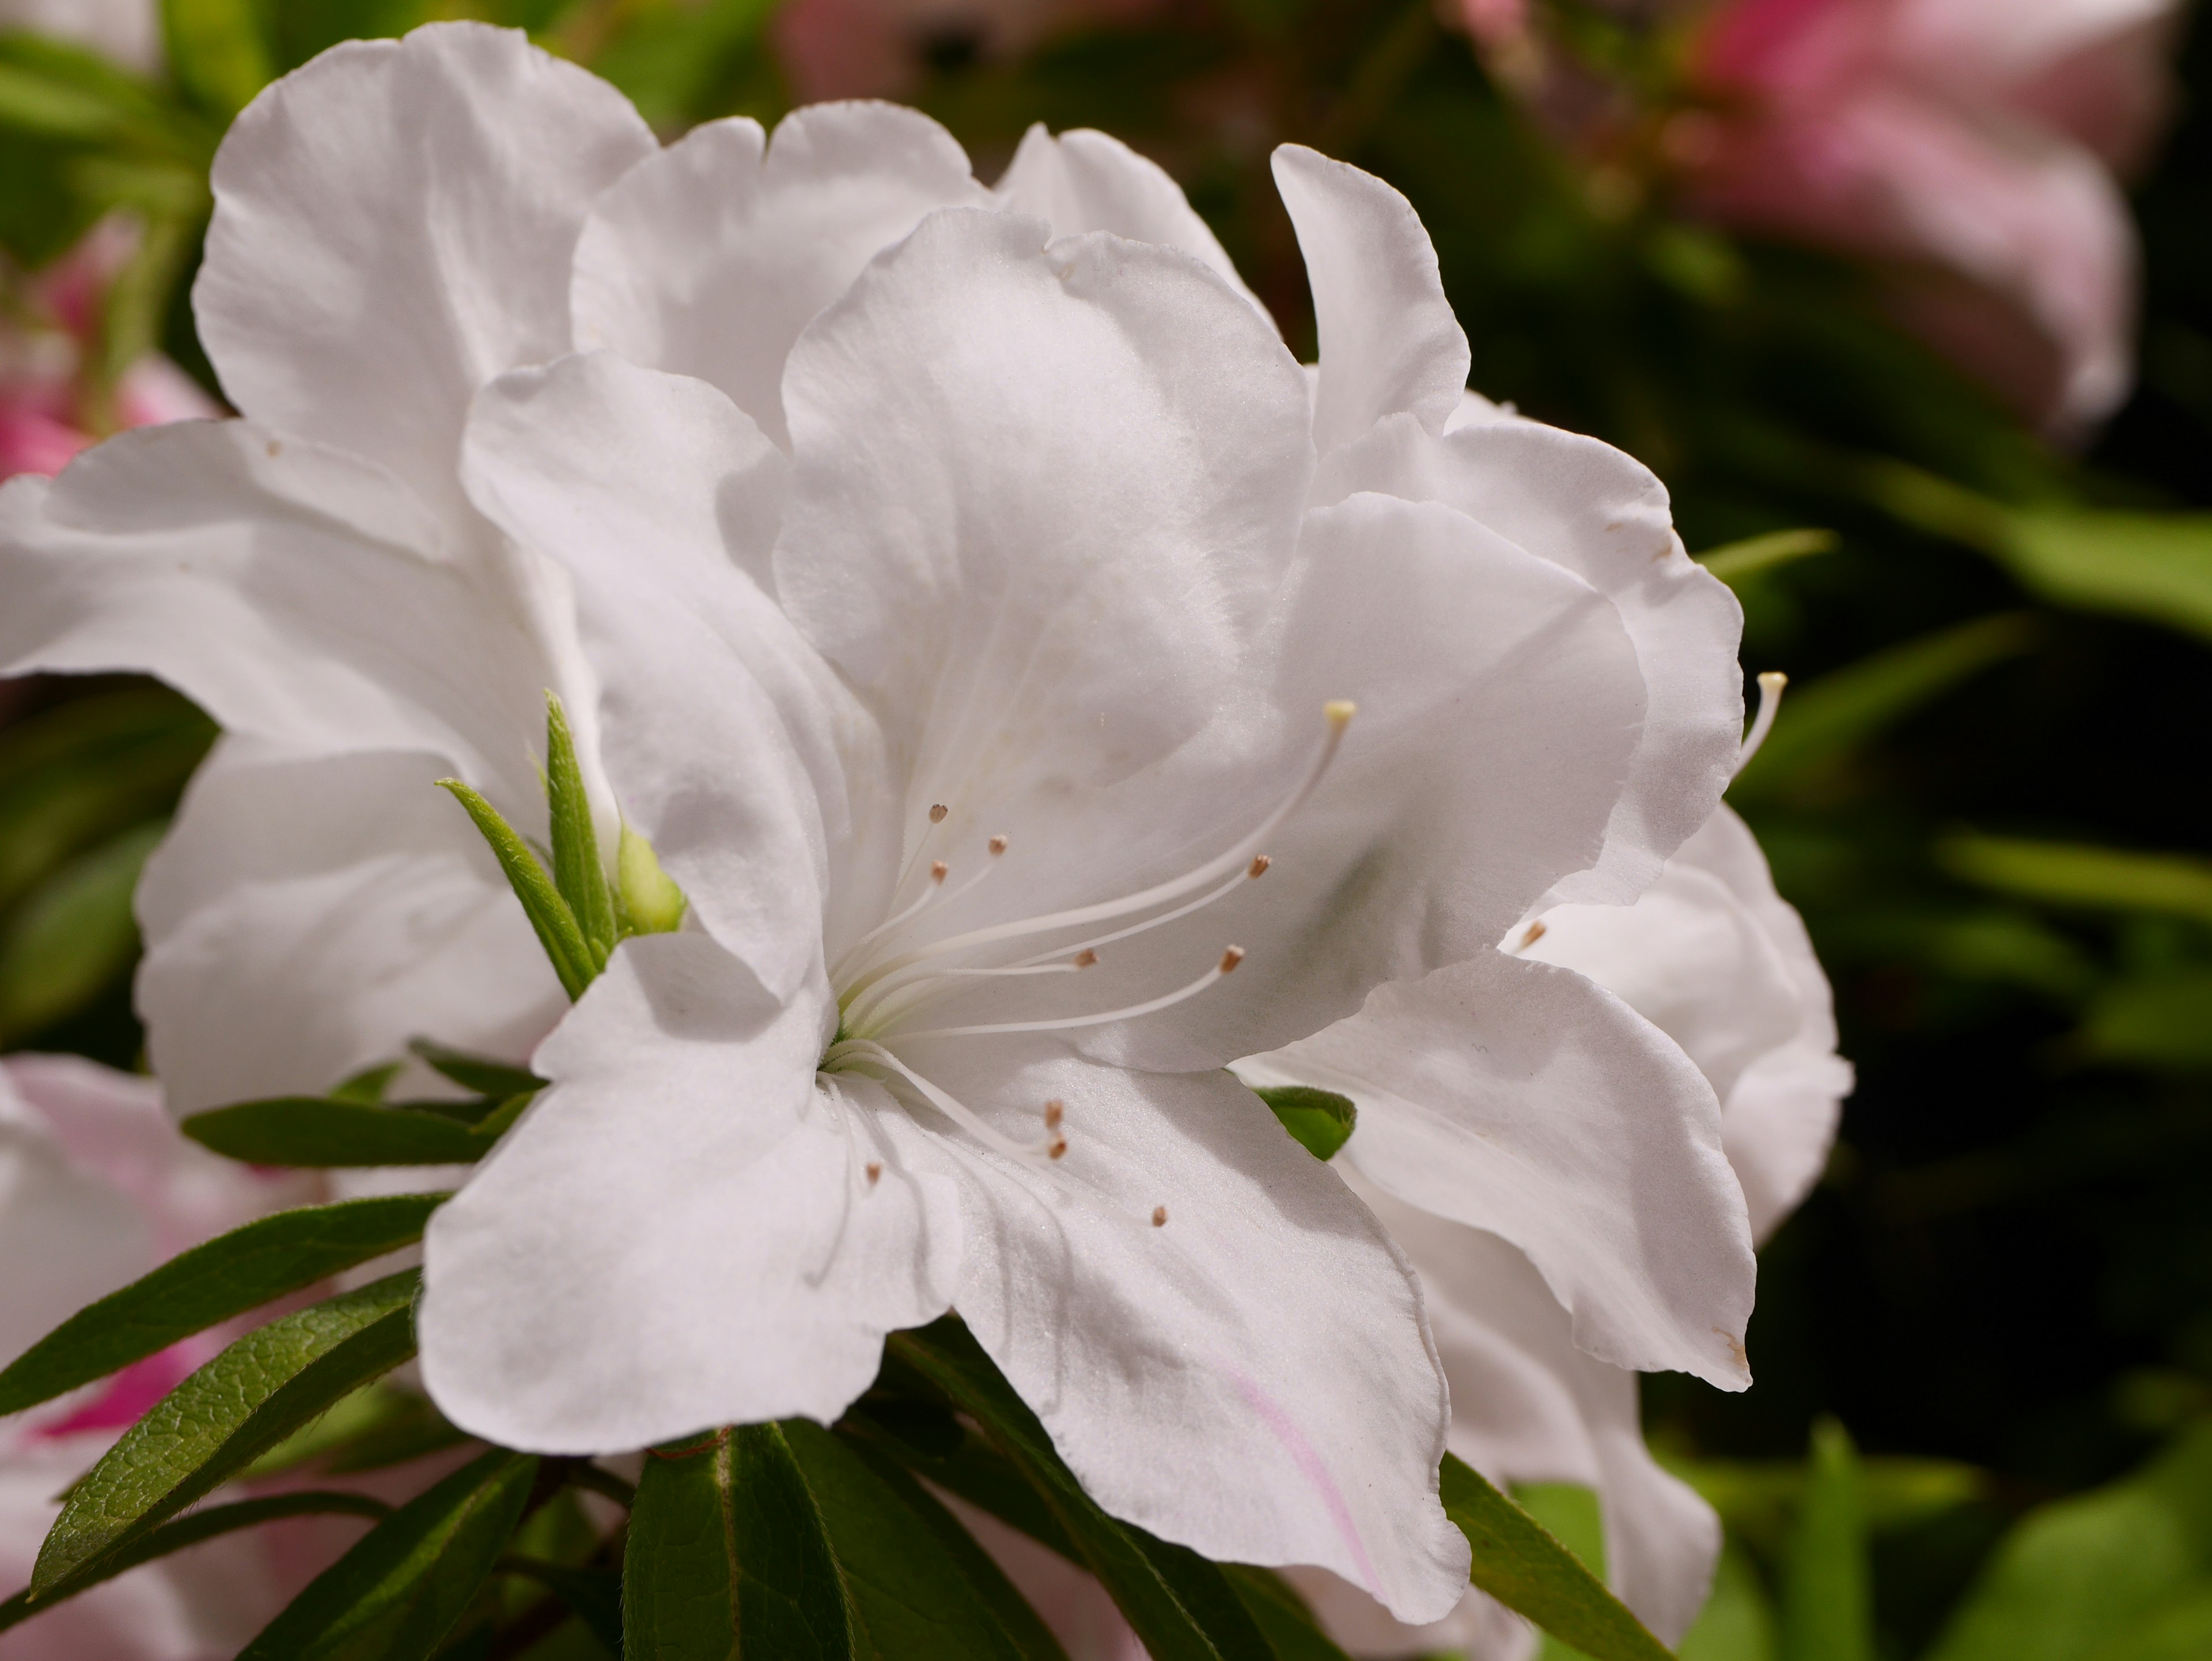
(653, 904)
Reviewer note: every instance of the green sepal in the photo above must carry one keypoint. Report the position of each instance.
(1321, 1121)
(190, 1531)
(209, 1284)
(409, 1581)
(1519, 1562)
(484, 1074)
(322, 1133)
(242, 1404)
(558, 931)
(1181, 1607)
(577, 873)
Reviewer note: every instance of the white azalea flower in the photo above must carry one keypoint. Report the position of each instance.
(1052, 533)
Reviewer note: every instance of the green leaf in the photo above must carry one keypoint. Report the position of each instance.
(1754, 556)
(1321, 1121)
(407, 1582)
(1736, 1623)
(1181, 1607)
(1572, 1515)
(592, 1595)
(1843, 710)
(216, 51)
(31, 103)
(2072, 1575)
(2161, 1020)
(1283, 1619)
(2180, 1630)
(209, 1284)
(558, 931)
(378, 1425)
(1518, 1562)
(368, 1085)
(726, 1557)
(226, 1416)
(2072, 874)
(919, 1587)
(577, 871)
(488, 1077)
(320, 1133)
(1828, 1612)
(74, 936)
(190, 1531)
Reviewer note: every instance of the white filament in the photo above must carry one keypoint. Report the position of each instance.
(1770, 704)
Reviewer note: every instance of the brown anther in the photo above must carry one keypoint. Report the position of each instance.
(1086, 958)
(1059, 1147)
(1159, 1216)
(875, 1173)
(937, 813)
(275, 449)
(1231, 958)
(938, 870)
(1054, 1111)
(1259, 866)
(997, 845)
(1532, 934)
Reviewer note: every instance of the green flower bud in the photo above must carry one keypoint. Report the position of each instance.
(650, 903)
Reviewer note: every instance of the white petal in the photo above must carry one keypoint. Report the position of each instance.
(727, 738)
(1251, 1376)
(1521, 1099)
(1528, 1407)
(393, 225)
(298, 595)
(1086, 180)
(1780, 1120)
(681, 1232)
(305, 918)
(1498, 700)
(710, 258)
(1388, 340)
(1586, 506)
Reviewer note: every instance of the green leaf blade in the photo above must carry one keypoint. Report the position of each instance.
(578, 872)
(1320, 1120)
(322, 1133)
(1520, 1564)
(486, 1075)
(405, 1584)
(216, 51)
(726, 1557)
(558, 930)
(210, 1284)
(244, 1402)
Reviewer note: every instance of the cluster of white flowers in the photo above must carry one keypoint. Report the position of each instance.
(1048, 695)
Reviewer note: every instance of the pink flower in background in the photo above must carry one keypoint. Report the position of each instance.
(48, 402)
(1971, 145)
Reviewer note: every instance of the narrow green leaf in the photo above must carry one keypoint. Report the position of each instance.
(1181, 1606)
(406, 1583)
(1517, 1561)
(1736, 1623)
(577, 871)
(1737, 560)
(209, 1284)
(190, 1531)
(1843, 710)
(216, 52)
(2073, 873)
(919, 1588)
(376, 1420)
(592, 1595)
(1826, 1613)
(31, 103)
(726, 1557)
(1321, 1121)
(368, 1084)
(226, 1416)
(320, 1133)
(74, 936)
(497, 1122)
(1572, 1514)
(1281, 1615)
(558, 931)
(2161, 1020)
(484, 1074)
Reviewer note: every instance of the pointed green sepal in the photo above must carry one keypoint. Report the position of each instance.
(651, 902)
(558, 931)
(577, 873)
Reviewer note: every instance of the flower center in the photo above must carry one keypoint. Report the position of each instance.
(889, 979)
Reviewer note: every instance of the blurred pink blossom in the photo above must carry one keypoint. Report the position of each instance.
(97, 1187)
(1969, 145)
(50, 403)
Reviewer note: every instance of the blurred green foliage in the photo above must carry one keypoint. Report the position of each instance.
(1988, 790)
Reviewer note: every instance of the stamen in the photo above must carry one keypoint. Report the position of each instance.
(1159, 1216)
(1057, 1148)
(1054, 1110)
(1529, 936)
(875, 1173)
(1259, 866)
(1083, 958)
(1337, 714)
(867, 1053)
(937, 813)
(1770, 704)
(938, 870)
(997, 845)
(1229, 960)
